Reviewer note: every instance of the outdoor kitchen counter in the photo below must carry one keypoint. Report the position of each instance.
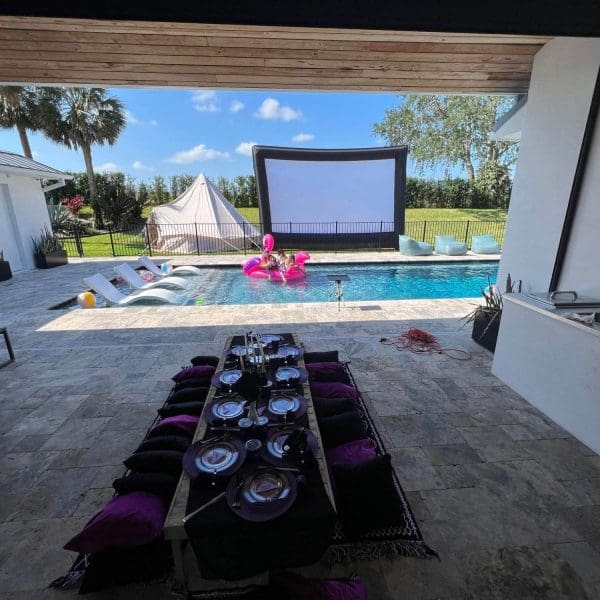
(553, 363)
(557, 314)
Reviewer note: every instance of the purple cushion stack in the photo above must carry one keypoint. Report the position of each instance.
(129, 520)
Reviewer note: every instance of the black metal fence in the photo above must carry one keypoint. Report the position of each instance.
(224, 238)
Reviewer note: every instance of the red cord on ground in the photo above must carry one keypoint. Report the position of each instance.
(419, 341)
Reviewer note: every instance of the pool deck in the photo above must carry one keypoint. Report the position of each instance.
(509, 499)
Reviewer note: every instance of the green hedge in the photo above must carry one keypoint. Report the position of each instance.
(453, 193)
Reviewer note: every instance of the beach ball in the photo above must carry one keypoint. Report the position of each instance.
(86, 300)
(166, 268)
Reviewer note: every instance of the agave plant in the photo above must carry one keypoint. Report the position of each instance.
(47, 243)
(493, 302)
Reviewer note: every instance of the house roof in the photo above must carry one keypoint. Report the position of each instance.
(17, 164)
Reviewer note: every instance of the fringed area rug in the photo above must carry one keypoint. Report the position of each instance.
(404, 539)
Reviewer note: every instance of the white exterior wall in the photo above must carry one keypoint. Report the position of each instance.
(23, 197)
(549, 360)
(562, 83)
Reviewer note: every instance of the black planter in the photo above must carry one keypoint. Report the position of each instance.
(5, 272)
(485, 329)
(54, 259)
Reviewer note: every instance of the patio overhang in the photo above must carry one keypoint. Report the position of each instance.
(63, 51)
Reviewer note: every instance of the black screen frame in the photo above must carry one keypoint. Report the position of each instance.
(327, 241)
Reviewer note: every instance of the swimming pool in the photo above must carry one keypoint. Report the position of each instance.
(367, 282)
(227, 285)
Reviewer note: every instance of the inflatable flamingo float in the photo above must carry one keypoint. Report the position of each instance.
(252, 267)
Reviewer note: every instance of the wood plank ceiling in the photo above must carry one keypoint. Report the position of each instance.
(140, 53)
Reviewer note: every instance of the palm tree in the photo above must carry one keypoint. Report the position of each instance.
(80, 118)
(17, 109)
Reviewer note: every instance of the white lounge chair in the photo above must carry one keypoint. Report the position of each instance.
(112, 295)
(129, 274)
(149, 264)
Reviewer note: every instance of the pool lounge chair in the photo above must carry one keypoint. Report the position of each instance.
(129, 274)
(410, 247)
(149, 264)
(113, 296)
(485, 244)
(446, 244)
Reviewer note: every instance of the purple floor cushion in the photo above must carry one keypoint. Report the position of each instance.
(128, 520)
(197, 372)
(184, 423)
(296, 587)
(333, 389)
(351, 453)
(327, 371)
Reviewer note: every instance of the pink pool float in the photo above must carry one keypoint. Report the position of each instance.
(255, 266)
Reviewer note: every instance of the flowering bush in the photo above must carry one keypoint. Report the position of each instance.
(73, 203)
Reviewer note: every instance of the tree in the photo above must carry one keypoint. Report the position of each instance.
(180, 183)
(18, 109)
(449, 130)
(143, 195)
(80, 118)
(158, 191)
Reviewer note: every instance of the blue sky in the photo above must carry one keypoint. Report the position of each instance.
(171, 132)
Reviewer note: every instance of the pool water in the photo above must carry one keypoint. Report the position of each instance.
(367, 282)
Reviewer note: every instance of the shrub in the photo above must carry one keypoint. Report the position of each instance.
(73, 203)
(458, 193)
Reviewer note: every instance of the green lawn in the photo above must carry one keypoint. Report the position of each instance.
(421, 223)
(423, 214)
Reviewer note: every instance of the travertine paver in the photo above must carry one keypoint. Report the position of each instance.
(509, 499)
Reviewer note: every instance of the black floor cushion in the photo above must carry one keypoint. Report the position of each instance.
(342, 428)
(181, 408)
(192, 382)
(365, 495)
(180, 443)
(327, 407)
(118, 566)
(191, 394)
(331, 356)
(161, 484)
(166, 461)
(201, 359)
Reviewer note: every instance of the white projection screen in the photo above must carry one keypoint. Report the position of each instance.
(332, 198)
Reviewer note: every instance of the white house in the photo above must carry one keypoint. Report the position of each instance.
(552, 238)
(23, 211)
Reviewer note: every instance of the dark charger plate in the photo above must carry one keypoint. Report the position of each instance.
(263, 494)
(219, 458)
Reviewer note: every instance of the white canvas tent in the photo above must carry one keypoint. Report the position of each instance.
(199, 220)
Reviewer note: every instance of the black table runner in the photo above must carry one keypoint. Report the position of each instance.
(228, 547)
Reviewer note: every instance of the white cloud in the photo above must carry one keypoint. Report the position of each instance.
(245, 148)
(140, 166)
(35, 154)
(205, 101)
(303, 137)
(131, 119)
(236, 106)
(198, 153)
(107, 167)
(271, 109)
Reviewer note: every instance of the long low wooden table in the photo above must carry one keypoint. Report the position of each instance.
(173, 529)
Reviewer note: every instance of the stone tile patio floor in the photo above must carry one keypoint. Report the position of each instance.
(509, 499)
